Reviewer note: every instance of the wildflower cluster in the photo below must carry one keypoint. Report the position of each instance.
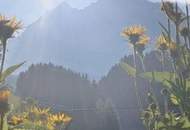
(137, 37)
(34, 117)
(40, 117)
(8, 28)
(173, 112)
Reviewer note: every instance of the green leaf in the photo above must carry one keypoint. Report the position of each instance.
(5, 126)
(9, 71)
(160, 77)
(174, 99)
(129, 69)
(183, 19)
(188, 83)
(163, 27)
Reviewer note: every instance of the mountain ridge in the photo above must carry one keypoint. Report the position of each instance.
(87, 40)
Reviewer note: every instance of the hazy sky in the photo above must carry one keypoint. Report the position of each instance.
(30, 10)
(179, 1)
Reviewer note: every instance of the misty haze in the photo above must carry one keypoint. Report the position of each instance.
(95, 65)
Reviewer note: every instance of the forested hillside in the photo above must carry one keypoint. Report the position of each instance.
(63, 88)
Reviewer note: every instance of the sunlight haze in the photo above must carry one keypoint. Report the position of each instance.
(29, 11)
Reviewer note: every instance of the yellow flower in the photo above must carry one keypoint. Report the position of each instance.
(60, 118)
(170, 11)
(38, 123)
(135, 34)
(57, 118)
(39, 111)
(8, 27)
(67, 119)
(173, 47)
(4, 94)
(16, 120)
(50, 126)
(134, 30)
(162, 43)
(144, 40)
(174, 51)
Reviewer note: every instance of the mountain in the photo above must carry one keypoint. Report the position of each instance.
(86, 40)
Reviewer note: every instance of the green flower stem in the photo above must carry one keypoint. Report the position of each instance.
(150, 82)
(142, 62)
(175, 77)
(1, 71)
(135, 80)
(162, 60)
(67, 126)
(186, 44)
(177, 34)
(148, 125)
(166, 104)
(2, 121)
(174, 69)
(188, 21)
(184, 58)
(169, 30)
(181, 109)
(154, 121)
(177, 26)
(3, 56)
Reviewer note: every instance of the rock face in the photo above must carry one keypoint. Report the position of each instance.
(87, 40)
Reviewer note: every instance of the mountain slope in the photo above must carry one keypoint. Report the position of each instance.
(87, 40)
(66, 90)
